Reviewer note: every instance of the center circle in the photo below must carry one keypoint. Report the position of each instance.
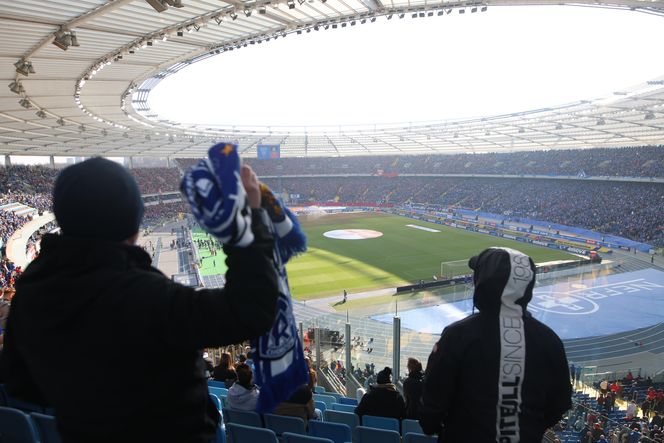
(352, 234)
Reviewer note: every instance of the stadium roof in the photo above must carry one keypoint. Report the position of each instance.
(79, 74)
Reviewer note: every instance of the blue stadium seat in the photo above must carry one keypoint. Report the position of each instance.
(214, 399)
(217, 391)
(387, 423)
(328, 399)
(16, 427)
(343, 408)
(246, 418)
(363, 434)
(319, 389)
(282, 423)
(409, 425)
(216, 384)
(348, 401)
(413, 437)
(334, 394)
(249, 434)
(46, 427)
(337, 432)
(347, 418)
(24, 406)
(320, 405)
(288, 437)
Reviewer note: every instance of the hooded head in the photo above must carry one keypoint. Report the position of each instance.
(503, 277)
(97, 199)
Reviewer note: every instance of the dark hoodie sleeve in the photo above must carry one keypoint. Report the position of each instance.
(439, 385)
(13, 368)
(244, 309)
(561, 387)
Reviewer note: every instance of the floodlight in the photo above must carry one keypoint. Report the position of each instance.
(483, 9)
(334, 26)
(473, 9)
(389, 17)
(197, 27)
(41, 114)
(430, 13)
(60, 121)
(175, 3)
(247, 12)
(74, 39)
(233, 15)
(62, 39)
(414, 15)
(363, 21)
(81, 128)
(373, 19)
(262, 9)
(301, 2)
(180, 33)
(149, 42)
(25, 103)
(600, 122)
(441, 12)
(352, 23)
(650, 116)
(402, 15)
(158, 5)
(462, 11)
(104, 132)
(291, 4)
(16, 87)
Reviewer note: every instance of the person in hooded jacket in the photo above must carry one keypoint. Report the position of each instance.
(498, 375)
(108, 341)
(244, 393)
(412, 388)
(383, 399)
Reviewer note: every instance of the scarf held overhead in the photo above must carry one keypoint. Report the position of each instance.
(218, 200)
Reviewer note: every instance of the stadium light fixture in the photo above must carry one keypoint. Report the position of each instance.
(22, 67)
(334, 26)
(41, 114)
(197, 27)
(16, 87)
(441, 12)
(233, 15)
(25, 103)
(402, 15)
(60, 121)
(600, 122)
(650, 116)
(473, 9)
(559, 126)
(180, 33)
(104, 132)
(352, 23)
(389, 16)
(74, 39)
(262, 10)
(430, 14)
(62, 39)
(483, 9)
(373, 19)
(291, 4)
(158, 5)
(462, 11)
(414, 15)
(247, 12)
(81, 128)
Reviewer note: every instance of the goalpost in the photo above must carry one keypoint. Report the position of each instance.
(455, 269)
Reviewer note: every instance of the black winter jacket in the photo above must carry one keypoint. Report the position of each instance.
(412, 392)
(498, 375)
(113, 345)
(382, 400)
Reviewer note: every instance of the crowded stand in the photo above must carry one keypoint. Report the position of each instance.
(613, 162)
(27, 179)
(156, 180)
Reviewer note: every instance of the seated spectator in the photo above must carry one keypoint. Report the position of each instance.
(412, 388)
(244, 393)
(225, 371)
(300, 404)
(383, 399)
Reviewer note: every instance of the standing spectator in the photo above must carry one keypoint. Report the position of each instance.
(225, 371)
(630, 412)
(91, 288)
(412, 388)
(481, 385)
(244, 393)
(383, 399)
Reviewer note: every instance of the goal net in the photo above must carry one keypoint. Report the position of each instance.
(454, 269)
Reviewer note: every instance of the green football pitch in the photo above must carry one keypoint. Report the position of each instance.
(400, 256)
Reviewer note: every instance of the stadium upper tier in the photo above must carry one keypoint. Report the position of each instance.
(643, 162)
(92, 99)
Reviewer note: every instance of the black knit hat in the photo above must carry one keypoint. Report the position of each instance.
(383, 376)
(97, 199)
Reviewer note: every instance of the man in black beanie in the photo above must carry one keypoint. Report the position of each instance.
(108, 341)
(498, 375)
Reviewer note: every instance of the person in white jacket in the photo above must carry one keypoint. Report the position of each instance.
(244, 393)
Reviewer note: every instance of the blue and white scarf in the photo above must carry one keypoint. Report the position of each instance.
(218, 201)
